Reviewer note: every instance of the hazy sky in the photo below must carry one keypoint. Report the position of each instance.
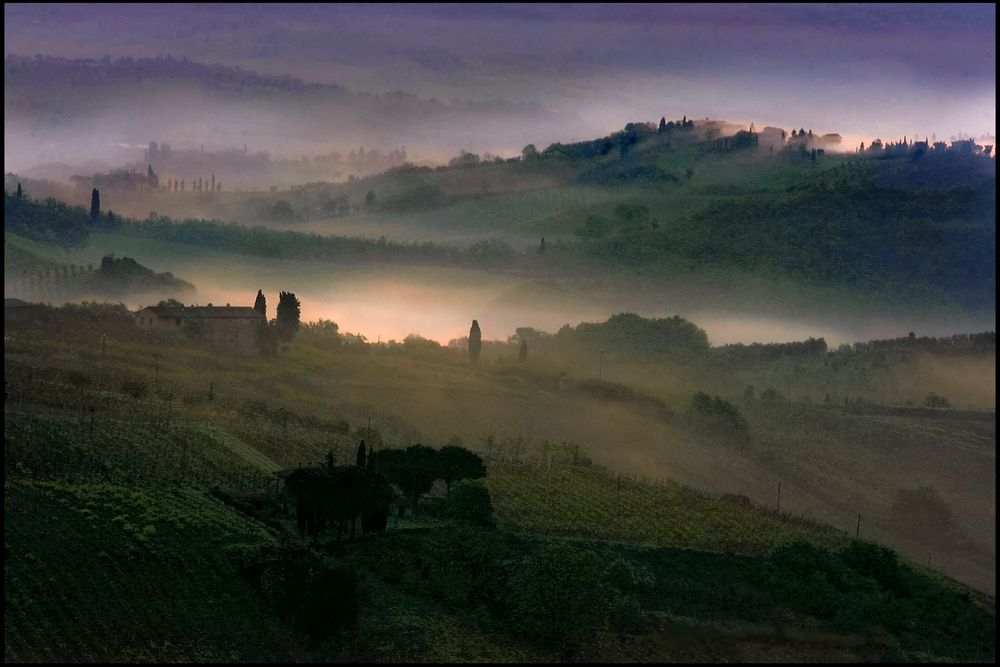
(874, 70)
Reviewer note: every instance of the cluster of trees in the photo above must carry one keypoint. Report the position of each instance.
(415, 469)
(124, 273)
(668, 125)
(283, 327)
(338, 495)
(956, 344)
(465, 159)
(943, 239)
(88, 321)
(629, 337)
(48, 221)
(332, 495)
(718, 418)
(738, 354)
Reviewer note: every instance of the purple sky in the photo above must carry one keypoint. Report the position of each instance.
(869, 70)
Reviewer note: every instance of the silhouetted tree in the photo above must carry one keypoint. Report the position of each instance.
(288, 311)
(934, 401)
(213, 182)
(529, 152)
(412, 469)
(454, 463)
(95, 205)
(361, 459)
(260, 304)
(370, 198)
(522, 354)
(541, 245)
(663, 125)
(475, 342)
(20, 192)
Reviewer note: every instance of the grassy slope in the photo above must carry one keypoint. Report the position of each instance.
(221, 445)
(822, 455)
(105, 572)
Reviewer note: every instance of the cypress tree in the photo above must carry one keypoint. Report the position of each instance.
(361, 459)
(663, 124)
(20, 192)
(95, 205)
(475, 342)
(260, 304)
(288, 313)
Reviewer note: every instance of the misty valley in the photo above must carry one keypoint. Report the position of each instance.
(688, 390)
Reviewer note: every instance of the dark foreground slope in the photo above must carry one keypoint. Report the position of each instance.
(148, 529)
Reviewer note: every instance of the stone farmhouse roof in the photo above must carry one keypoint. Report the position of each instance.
(203, 312)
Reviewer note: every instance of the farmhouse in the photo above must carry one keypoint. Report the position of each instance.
(21, 312)
(230, 327)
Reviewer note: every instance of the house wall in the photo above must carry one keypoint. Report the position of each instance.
(148, 320)
(236, 334)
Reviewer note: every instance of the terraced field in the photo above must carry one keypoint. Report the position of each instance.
(100, 572)
(594, 503)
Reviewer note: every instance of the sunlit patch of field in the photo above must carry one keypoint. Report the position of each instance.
(593, 503)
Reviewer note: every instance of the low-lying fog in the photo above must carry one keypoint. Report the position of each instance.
(440, 304)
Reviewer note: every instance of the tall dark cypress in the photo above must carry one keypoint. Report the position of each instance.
(475, 341)
(260, 304)
(95, 204)
(361, 460)
(20, 192)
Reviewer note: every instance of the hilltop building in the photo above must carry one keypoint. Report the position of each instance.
(228, 327)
